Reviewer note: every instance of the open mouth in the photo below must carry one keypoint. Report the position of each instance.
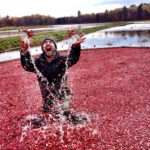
(48, 49)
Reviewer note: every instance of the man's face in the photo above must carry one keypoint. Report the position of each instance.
(49, 48)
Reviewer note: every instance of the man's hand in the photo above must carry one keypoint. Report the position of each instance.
(79, 40)
(24, 46)
(25, 41)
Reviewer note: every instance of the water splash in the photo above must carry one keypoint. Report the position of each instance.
(25, 36)
(61, 128)
(60, 132)
(57, 103)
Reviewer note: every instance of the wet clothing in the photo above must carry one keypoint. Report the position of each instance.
(54, 85)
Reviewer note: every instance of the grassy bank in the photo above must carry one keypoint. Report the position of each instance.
(13, 43)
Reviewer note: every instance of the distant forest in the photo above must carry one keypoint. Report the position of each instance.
(132, 13)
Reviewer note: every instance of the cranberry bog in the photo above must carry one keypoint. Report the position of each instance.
(110, 86)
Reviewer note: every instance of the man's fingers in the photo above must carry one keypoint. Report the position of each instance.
(81, 37)
(81, 40)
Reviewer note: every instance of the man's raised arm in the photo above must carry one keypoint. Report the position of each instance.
(75, 51)
(25, 57)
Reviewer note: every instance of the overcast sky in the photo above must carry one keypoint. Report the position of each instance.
(61, 8)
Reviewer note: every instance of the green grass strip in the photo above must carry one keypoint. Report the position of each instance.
(13, 43)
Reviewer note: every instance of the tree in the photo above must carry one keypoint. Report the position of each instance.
(132, 12)
(140, 12)
(79, 13)
(125, 13)
(106, 15)
(97, 17)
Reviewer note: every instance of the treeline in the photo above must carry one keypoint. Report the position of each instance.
(132, 13)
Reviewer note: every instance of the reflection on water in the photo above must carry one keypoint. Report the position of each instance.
(132, 33)
(118, 39)
(100, 39)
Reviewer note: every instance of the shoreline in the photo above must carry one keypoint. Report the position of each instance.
(89, 49)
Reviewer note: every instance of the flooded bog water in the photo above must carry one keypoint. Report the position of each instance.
(131, 35)
(118, 39)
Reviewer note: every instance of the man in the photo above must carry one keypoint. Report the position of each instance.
(51, 68)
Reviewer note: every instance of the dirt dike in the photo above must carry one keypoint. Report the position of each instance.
(111, 85)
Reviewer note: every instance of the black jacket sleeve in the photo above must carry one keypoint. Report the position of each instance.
(26, 62)
(74, 55)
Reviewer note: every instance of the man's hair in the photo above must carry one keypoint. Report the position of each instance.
(48, 38)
